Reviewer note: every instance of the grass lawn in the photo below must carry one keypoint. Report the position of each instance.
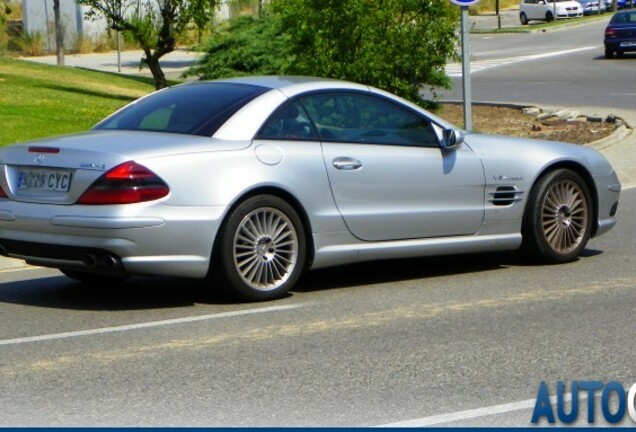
(40, 100)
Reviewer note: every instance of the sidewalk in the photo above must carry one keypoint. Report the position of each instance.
(506, 19)
(173, 64)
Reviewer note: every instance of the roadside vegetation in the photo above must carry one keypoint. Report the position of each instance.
(41, 100)
(401, 47)
(544, 26)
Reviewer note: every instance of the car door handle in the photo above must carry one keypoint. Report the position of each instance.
(347, 163)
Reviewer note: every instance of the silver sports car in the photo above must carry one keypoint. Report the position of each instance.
(251, 181)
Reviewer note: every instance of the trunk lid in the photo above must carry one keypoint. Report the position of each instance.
(59, 170)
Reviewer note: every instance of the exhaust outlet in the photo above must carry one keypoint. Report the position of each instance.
(89, 260)
(110, 261)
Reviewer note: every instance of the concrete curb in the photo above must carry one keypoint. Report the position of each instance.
(619, 134)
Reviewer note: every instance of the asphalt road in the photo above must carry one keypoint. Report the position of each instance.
(560, 67)
(370, 344)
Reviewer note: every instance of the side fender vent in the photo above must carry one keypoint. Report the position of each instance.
(505, 195)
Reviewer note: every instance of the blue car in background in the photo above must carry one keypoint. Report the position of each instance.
(620, 4)
(620, 34)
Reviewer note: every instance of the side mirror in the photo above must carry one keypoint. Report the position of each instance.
(451, 139)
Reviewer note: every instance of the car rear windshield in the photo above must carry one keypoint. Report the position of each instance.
(193, 109)
(627, 17)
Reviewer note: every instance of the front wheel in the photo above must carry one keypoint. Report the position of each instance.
(262, 248)
(523, 18)
(549, 17)
(558, 218)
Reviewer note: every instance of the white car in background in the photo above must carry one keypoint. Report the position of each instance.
(543, 10)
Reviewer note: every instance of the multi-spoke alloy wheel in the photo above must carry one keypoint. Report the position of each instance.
(564, 216)
(558, 218)
(261, 250)
(265, 248)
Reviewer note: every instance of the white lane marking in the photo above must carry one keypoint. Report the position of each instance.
(150, 324)
(479, 412)
(455, 69)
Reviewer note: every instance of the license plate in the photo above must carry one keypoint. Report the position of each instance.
(628, 44)
(44, 180)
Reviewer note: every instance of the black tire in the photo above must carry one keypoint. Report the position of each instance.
(93, 278)
(558, 218)
(549, 17)
(523, 18)
(261, 249)
(620, 54)
(609, 54)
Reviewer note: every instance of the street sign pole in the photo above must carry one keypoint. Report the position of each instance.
(464, 4)
(468, 124)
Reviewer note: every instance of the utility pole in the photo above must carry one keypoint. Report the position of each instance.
(59, 33)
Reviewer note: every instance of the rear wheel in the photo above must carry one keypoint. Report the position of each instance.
(609, 53)
(549, 17)
(262, 248)
(523, 18)
(558, 219)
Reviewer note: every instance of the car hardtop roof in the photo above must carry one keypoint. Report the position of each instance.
(293, 83)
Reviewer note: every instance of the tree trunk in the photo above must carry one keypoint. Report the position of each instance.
(157, 73)
(59, 33)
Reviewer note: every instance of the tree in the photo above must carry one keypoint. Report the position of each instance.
(396, 45)
(154, 24)
(5, 10)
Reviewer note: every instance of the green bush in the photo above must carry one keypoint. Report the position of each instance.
(396, 45)
(31, 44)
(245, 45)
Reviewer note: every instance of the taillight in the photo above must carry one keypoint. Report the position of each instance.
(127, 183)
(3, 194)
(611, 32)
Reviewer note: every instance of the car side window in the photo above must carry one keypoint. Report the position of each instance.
(364, 118)
(289, 122)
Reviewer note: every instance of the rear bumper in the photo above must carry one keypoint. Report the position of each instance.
(620, 45)
(126, 240)
(65, 257)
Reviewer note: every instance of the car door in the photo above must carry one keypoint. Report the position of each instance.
(388, 175)
(532, 9)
